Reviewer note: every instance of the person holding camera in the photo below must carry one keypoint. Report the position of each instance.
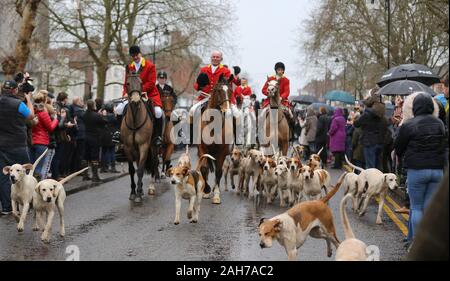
(13, 135)
(40, 134)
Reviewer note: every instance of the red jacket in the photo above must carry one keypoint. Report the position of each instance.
(214, 78)
(284, 90)
(241, 92)
(147, 72)
(43, 128)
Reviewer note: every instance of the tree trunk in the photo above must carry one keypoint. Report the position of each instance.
(101, 80)
(16, 62)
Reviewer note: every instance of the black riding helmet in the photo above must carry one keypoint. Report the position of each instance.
(280, 65)
(162, 74)
(134, 50)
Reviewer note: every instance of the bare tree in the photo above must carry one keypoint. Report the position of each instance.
(27, 9)
(356, 32)
(108, 27)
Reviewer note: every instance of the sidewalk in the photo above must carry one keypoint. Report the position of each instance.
(76, 184)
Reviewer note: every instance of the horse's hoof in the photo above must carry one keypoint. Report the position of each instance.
(216, 200)
(132, 196)
(138, 199)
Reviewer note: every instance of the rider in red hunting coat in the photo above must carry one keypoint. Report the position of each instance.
(241, 91)
(209, 76)
(284, 85)
(147, 72)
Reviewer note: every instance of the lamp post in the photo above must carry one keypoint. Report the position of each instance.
(345, 70)
(387, 7)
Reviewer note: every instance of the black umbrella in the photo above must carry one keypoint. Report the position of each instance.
(404, 88)
(416, 72)
(303, 99)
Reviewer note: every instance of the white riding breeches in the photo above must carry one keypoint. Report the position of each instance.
(158, 112)
(197, 105)
(121, 107)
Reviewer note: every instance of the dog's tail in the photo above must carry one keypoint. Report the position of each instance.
(320, 151)
(187, 149)
(69, 177)
(345, 223)
(199, 163)
(37, 162)
(353, 166)
(335, 189)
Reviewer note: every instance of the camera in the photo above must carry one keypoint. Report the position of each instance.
(24, 80)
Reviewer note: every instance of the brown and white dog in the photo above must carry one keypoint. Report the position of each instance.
(309, 218)
(315, 159)
(351, 249)
(250, 168)
(48, 195)
(282, 173)
(185, 159)
(314, 181)
(22, 188)
(189, 185)
(268, 179)
(295, 178)
(373, 182)
(232, 166)
(298, 151)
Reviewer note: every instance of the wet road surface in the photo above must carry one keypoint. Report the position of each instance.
(105, 225)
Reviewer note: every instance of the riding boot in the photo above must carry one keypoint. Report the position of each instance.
(113, 168)
(95, 177)
(158, 131)
(85, 174)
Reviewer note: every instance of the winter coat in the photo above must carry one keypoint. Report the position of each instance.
(94, 123)
(302, 140)
(108, 130)
(421, 139)
(44, 127)
(357, 147)
(311, 125)
(323, 125)
(337, 132)
(372, 125)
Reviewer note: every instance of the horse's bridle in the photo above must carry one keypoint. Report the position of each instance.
(133, 114)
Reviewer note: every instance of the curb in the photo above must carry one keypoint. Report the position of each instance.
(90, 185)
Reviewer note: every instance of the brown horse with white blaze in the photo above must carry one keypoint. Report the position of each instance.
(219, 100)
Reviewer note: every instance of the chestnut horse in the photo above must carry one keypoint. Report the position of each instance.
(168, 102)
(136, 135)
(219, 100)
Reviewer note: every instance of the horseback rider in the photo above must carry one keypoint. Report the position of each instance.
(240, 92)
(208, 78)
(284, 85)
(147, 72)
(164, 88)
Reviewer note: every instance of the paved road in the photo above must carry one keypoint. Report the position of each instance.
(105, 225)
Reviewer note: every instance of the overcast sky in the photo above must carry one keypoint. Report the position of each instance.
(267, 31)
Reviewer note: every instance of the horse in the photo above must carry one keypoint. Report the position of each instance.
(273, 94)
(168, 102)
(136, 135)
(219, 100)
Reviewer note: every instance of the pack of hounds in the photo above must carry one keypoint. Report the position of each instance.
(305, 188)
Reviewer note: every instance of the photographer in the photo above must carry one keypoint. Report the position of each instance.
(13, 136)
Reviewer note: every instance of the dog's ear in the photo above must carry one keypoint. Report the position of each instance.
(27, 166)
(277, 226)
(169, 172)
(57, 189)
(185, 171)
(36, 188)
(261, 221)
(6, 170)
